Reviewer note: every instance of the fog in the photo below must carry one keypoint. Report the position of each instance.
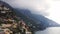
(48, 8)
(35, 6)
(51, 30)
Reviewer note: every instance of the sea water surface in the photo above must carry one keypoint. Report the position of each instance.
(50, 30)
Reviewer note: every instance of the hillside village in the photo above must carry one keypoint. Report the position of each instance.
(10, 23)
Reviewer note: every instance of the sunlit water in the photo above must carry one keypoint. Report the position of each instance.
(51, 30)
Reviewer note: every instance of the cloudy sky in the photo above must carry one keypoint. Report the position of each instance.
(48, 8)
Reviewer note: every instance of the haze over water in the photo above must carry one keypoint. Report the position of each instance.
(51, 30)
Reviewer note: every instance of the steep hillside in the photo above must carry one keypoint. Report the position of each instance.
(39, 19)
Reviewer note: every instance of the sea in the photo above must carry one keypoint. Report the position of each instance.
(50, 30)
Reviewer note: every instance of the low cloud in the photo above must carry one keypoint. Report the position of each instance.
(36, 6)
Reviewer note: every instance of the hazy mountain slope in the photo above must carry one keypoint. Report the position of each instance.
(39, 18)
(35, 22)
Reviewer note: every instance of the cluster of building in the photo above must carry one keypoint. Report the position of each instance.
(10, 23)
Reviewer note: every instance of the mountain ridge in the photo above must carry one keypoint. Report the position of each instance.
(39, 18)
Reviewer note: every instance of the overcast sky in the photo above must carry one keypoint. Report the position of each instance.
(34, 5)
(48, 8)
